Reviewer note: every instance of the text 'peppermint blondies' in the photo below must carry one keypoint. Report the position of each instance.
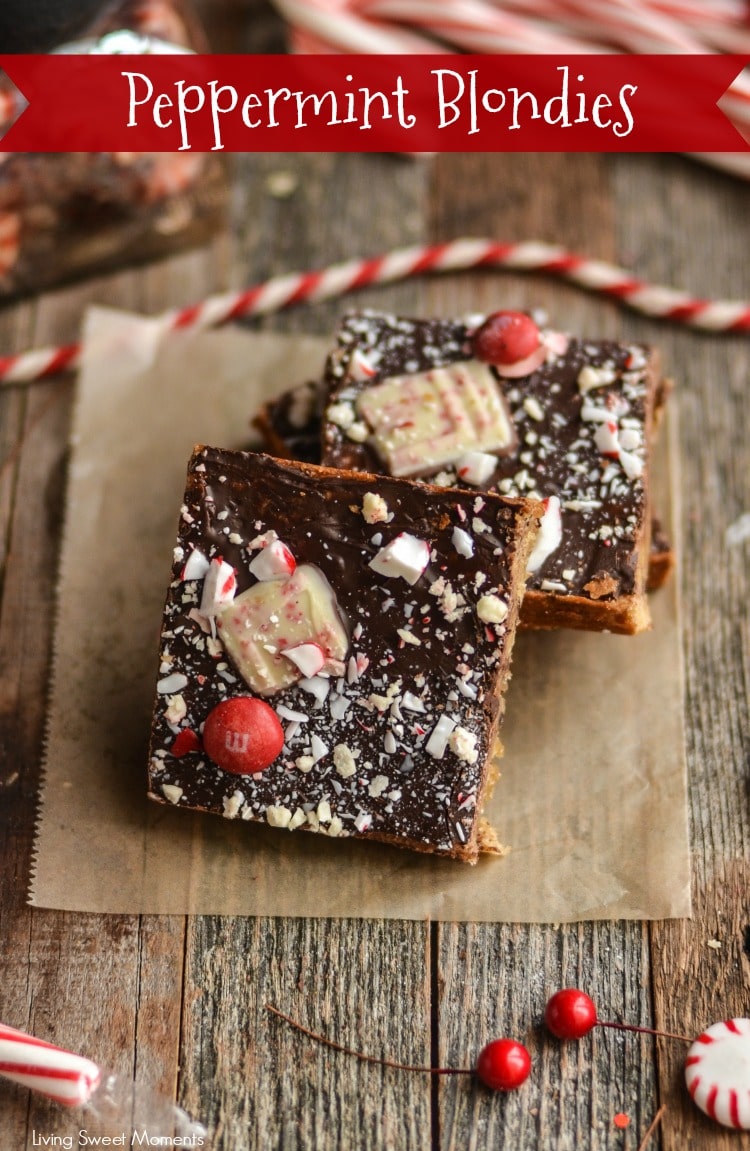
(335, 650)
(502, 405)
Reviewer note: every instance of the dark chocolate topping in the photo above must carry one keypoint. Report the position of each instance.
(603, 499)
(422, 656)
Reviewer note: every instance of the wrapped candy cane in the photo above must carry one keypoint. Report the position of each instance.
(60, 1075)
(75, 1081)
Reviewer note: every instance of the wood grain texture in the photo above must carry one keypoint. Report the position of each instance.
(700, 967)
(258, 1081)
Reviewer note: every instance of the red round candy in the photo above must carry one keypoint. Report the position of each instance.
(505, 338)
(243, 735)
(570, 1014)
(503, 1065)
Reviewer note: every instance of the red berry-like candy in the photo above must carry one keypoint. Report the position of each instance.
(243, 735)
(503, 1065)
(505, 338)
(570, 1014)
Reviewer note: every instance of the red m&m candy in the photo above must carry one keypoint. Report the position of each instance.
(243, 735)
(505, 338)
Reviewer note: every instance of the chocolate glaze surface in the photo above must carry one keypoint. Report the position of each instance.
(435, 652)
(605, 515)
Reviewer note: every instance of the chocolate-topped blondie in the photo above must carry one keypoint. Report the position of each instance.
(335, 650)
(501, 405)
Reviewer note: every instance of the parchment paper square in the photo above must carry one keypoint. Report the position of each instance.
(592, 798)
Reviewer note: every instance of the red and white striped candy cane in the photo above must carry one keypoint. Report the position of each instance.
(68, 1079)
(655, 300)
(534, 26)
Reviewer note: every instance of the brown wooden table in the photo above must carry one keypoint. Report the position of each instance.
(178, 1002)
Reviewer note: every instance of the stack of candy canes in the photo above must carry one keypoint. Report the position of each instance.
(539, 27)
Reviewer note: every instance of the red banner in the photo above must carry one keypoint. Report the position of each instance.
(440, 103)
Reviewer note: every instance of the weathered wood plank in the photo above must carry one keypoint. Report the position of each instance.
(93, 983)
(258, 1082)
(695, 982)
(495, 979)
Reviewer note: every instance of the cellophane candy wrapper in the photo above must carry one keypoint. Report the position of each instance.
(68, 214)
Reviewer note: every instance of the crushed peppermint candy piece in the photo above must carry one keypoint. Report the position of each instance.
(405, 556)
(475, 468)
(549, 536)
(219, 587)
(462, 542)
(273, 562)
(309, 658)
(590, 377)
(438, 741)
(172, 683)
(360, 366)
(607, 439)
(196, 565)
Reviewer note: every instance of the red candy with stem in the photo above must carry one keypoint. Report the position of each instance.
(503, 1065)
(570, 1014)
(243, 735)
(505, 338)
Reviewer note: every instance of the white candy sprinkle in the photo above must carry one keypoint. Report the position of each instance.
(475, 467)
(374, 508)
(412, 702)
(278, 815)
(462, 542)
(344, 761)
(309, 658)
(492, 609)
(463, 744)
(285, 712)
(405, 556)
(342, 415)
(318, 748)
(632, 465)
(438, 740)
(172, 792)
(196, 565)
(232, 804)
(590, 377)
(549, 536)
(533, 408)
(172, 683)
(318, 687)
(176, 709)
